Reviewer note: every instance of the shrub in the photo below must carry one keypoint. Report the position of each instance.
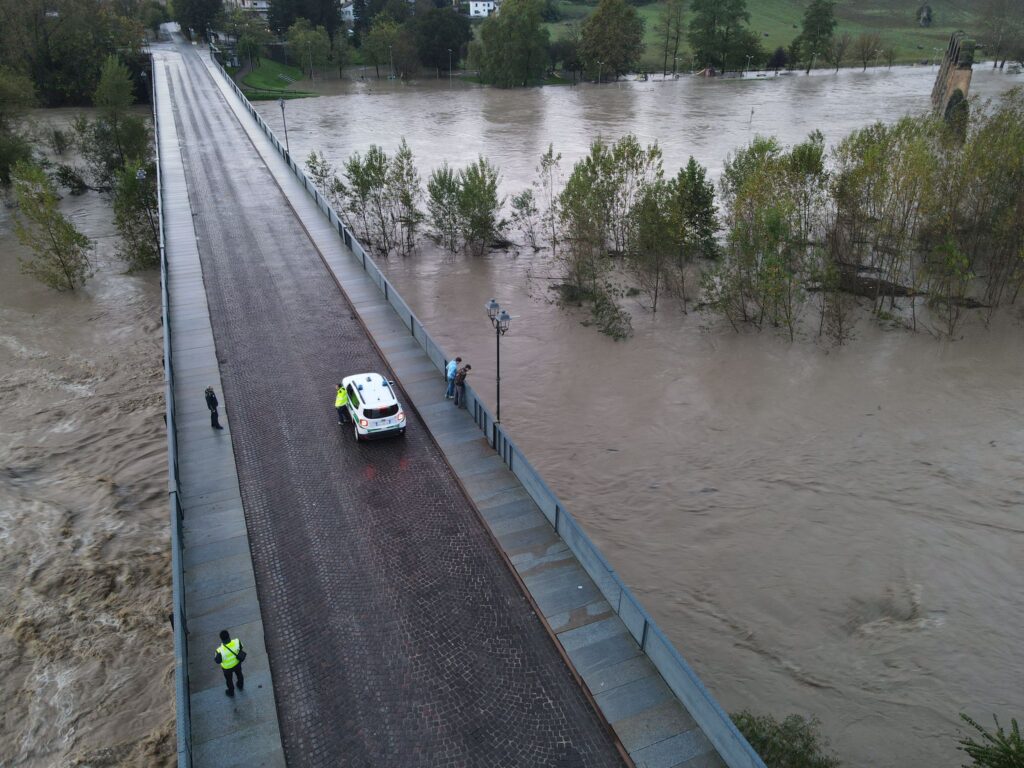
(792, 743)
(994, 750)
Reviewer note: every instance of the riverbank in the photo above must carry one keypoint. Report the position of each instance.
(85, 647)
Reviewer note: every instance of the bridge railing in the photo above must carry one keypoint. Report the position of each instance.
(677, 673)
(183, 713)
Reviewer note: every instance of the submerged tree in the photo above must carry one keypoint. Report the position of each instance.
(443, 206)
(60, 252)
(479, 205)
(135, 215)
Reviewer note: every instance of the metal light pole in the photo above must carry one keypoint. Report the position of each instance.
(599, 65)
(284, 120)
(391, 63)
(747, 65)
(501, 320)
(449, 67)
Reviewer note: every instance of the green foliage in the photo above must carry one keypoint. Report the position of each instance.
(60, 45)
(253, 34)
(525, 215)
(382, 192)
(17, 95)
(479, 205)
(792, 743)
(378, 43)
(655, 240)
(60, 252)
(612, 38)
(405, 191)
(310, 46)
(815, 36)
(14, 149)
(999, 749)
(513, 45)
(443, 206)
(719, 34)
(367, 194)
(135, 215)
(196, 16)
(439, 31)
(669, 30)
(115, 91)
(611, 319)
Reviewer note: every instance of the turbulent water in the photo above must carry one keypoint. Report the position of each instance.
(830, 531)
(86, 654)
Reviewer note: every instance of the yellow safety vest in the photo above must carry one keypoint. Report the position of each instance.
(229, 653)
(341, 399)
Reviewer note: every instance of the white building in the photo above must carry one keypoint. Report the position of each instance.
(348, 13)
(262, 7)
(481, 8)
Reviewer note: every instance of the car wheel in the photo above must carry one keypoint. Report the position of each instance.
(355, 429)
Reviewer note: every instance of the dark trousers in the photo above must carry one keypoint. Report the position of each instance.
(214, 420)
(237, 671)
(342, 414)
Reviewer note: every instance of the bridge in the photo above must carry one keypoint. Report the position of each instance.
(952, 84)
(421, 602)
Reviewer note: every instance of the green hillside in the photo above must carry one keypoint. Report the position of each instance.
(778, 22)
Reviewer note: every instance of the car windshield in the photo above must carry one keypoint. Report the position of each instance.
(381, 413)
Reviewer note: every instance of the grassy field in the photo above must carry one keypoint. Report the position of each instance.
(270, 76)
(777, 22)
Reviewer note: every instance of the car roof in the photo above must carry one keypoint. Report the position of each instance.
(373, 388)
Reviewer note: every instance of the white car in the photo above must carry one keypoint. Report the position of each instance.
(373, 406)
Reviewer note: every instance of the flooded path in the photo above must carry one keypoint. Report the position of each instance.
(86, 657)
(834, 532)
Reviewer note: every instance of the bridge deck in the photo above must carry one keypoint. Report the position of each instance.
(396, 634)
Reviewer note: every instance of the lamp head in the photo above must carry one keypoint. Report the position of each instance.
(504, 319)
(492, 308)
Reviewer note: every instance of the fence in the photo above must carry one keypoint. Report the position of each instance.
(679, 676)
(181, 686)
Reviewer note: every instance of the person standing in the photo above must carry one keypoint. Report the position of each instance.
(450, 370)
(230, 657)
(460, 385)
(212, 404)
(341, 405)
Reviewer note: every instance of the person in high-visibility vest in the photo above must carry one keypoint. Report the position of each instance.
(230, 657)
(341, 405)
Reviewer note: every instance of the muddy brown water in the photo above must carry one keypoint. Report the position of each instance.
(86, 654)
(837, 532)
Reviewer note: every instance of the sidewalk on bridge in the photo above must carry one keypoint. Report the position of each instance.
(648, 719)
(220, 587)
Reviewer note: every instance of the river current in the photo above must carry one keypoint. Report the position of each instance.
(837, 532)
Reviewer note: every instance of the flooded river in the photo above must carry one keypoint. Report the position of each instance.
(830, 531)
(86, 655)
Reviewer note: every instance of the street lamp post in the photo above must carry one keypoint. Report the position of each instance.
(391, 63)
(449, 67)
(675, 65)
(501, 320)
(599, 65)
(284, 120)
(747, 65)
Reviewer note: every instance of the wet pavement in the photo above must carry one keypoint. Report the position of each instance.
(396, 634)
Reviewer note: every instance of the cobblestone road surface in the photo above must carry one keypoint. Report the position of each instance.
(396, 634)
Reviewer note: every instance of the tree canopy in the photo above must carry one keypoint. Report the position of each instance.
(719, 35)
(815, 38)
(514, 44)
(612, 38)
(439, 31)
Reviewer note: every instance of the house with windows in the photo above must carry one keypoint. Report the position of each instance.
(482, 8)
